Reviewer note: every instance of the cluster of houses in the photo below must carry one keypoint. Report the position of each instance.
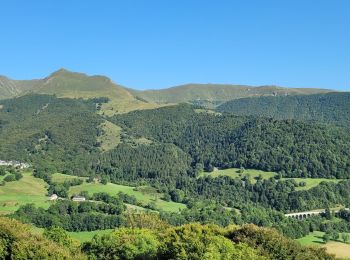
(16, 164)
(54, 197)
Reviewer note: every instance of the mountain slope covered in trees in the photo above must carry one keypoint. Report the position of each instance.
(328, 108)
(176, 140)
(296, 149)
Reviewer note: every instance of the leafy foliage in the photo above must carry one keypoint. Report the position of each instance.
(73, 216)
(328, 108)
(54, 134)
(17, 242)
(295, 149)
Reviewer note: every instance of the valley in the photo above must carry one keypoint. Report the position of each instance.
(135, 160)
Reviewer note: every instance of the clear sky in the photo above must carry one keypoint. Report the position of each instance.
(157, 44)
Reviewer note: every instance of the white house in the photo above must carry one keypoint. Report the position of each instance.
(53, 197)
(78, 198)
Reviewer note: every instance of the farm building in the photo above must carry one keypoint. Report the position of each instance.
(78, 198)
(53, 197)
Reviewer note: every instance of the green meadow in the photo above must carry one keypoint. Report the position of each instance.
(60, 177)
(26, 190)
(338, 247)
(143, 194)
(253, 174)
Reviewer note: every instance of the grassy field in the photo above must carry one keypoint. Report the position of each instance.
(82, 236)
(142, 194)
(60, 178)
(110, 137)
(26, 190)
(234, 173)
(313, 238)
(253, 174)
(338, 248)
(341, 250)
(310, 183)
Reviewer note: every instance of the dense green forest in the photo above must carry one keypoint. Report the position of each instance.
(59, 134)
(293, 148)
(328, 108)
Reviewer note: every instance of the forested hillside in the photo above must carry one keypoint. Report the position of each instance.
(59, 134)
(295, 149)
(169, 148)
(328, 108)
(166, 142)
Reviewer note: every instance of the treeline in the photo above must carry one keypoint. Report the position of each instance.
(292, 148)
(280, 195)
(331, 108)
(10, 173)
(73, 216)
(192, 241)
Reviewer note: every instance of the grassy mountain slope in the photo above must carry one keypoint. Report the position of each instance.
(216, 93)
(12, 88)
(64, 83)
(328, 108)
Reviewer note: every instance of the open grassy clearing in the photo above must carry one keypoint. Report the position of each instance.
(110, 137)
(60, 177)
(117, 106)
(310, 182)
(234, 173)
(339, 248)
(143, 194)
(312, 239)
(253, 174)
(26, 190)
(82, 236)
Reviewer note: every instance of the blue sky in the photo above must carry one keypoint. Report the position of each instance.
(157, 44)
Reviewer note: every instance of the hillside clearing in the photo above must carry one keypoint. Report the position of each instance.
(60, 177)
(84, 236)
(338, 248)
(26, 190)
(254, 174)
(143, 194)
(110, 137)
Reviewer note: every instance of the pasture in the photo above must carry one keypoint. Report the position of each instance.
(26, 190)
(254, 174)
(143, 194)
(84, 236)
(81, 236)
(60, 177)
(310, 182)
(338, 248)
(235, 173)
(110, 137)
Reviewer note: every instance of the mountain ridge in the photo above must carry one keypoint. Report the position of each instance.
(68, 84)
